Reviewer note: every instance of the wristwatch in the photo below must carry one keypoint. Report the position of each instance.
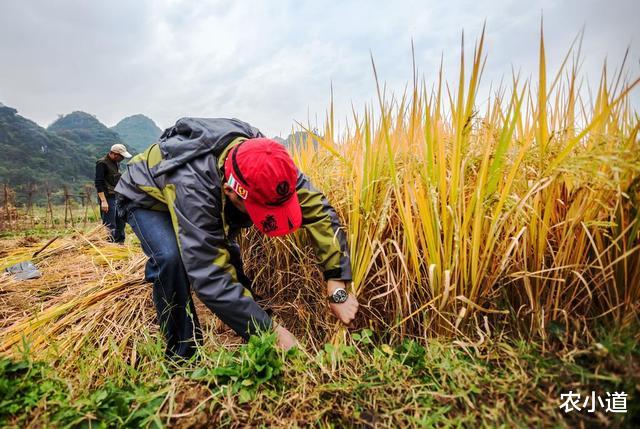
(338, 296)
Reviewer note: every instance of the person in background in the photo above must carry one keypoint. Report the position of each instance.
(106, 179)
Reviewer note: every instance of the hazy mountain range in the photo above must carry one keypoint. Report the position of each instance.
(65, 152)
(137, 132)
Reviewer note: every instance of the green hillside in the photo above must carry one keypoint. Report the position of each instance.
(31, 154)
(66, 151)
(137, 132)
(87, 131)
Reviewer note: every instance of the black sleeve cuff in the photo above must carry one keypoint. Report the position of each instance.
(335, 273)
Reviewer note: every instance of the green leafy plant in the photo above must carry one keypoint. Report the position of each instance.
(23, 386)
(254, 364)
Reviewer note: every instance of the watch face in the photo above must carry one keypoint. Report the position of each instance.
(340, 295)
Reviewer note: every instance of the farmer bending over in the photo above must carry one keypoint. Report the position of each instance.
(187, 197)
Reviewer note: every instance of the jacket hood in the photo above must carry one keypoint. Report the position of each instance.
(190, 138)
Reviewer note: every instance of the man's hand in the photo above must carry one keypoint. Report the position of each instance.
(286, 340)
(345, 311)
(104, 206)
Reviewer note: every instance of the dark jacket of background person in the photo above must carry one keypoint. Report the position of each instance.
(107, 176)
(183, 174)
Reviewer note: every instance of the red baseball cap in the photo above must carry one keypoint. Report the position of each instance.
(263, 174)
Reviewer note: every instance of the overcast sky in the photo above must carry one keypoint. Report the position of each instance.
(271, 63)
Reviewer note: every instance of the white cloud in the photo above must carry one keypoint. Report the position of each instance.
(271, 63)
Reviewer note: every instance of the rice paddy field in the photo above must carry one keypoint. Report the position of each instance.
(495, 249)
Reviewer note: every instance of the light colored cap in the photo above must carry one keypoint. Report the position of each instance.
(121, 149)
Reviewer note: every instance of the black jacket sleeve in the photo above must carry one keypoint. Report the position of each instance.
(99, 181)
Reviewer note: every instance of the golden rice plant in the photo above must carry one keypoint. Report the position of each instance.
(525, 210)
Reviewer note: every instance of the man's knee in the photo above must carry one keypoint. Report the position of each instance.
(168, 258)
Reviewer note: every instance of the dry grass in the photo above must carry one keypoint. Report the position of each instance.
(84, 285)
(92, 292)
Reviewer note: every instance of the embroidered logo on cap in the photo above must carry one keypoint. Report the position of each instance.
(284, 193)
(269, 224)
(283, 188)
(242, 192)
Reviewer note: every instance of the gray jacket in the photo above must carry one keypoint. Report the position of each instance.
(182, 174)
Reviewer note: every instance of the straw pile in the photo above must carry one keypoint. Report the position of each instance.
(91, 290)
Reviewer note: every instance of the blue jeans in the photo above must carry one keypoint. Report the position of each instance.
(112, 221)
(171, 289)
